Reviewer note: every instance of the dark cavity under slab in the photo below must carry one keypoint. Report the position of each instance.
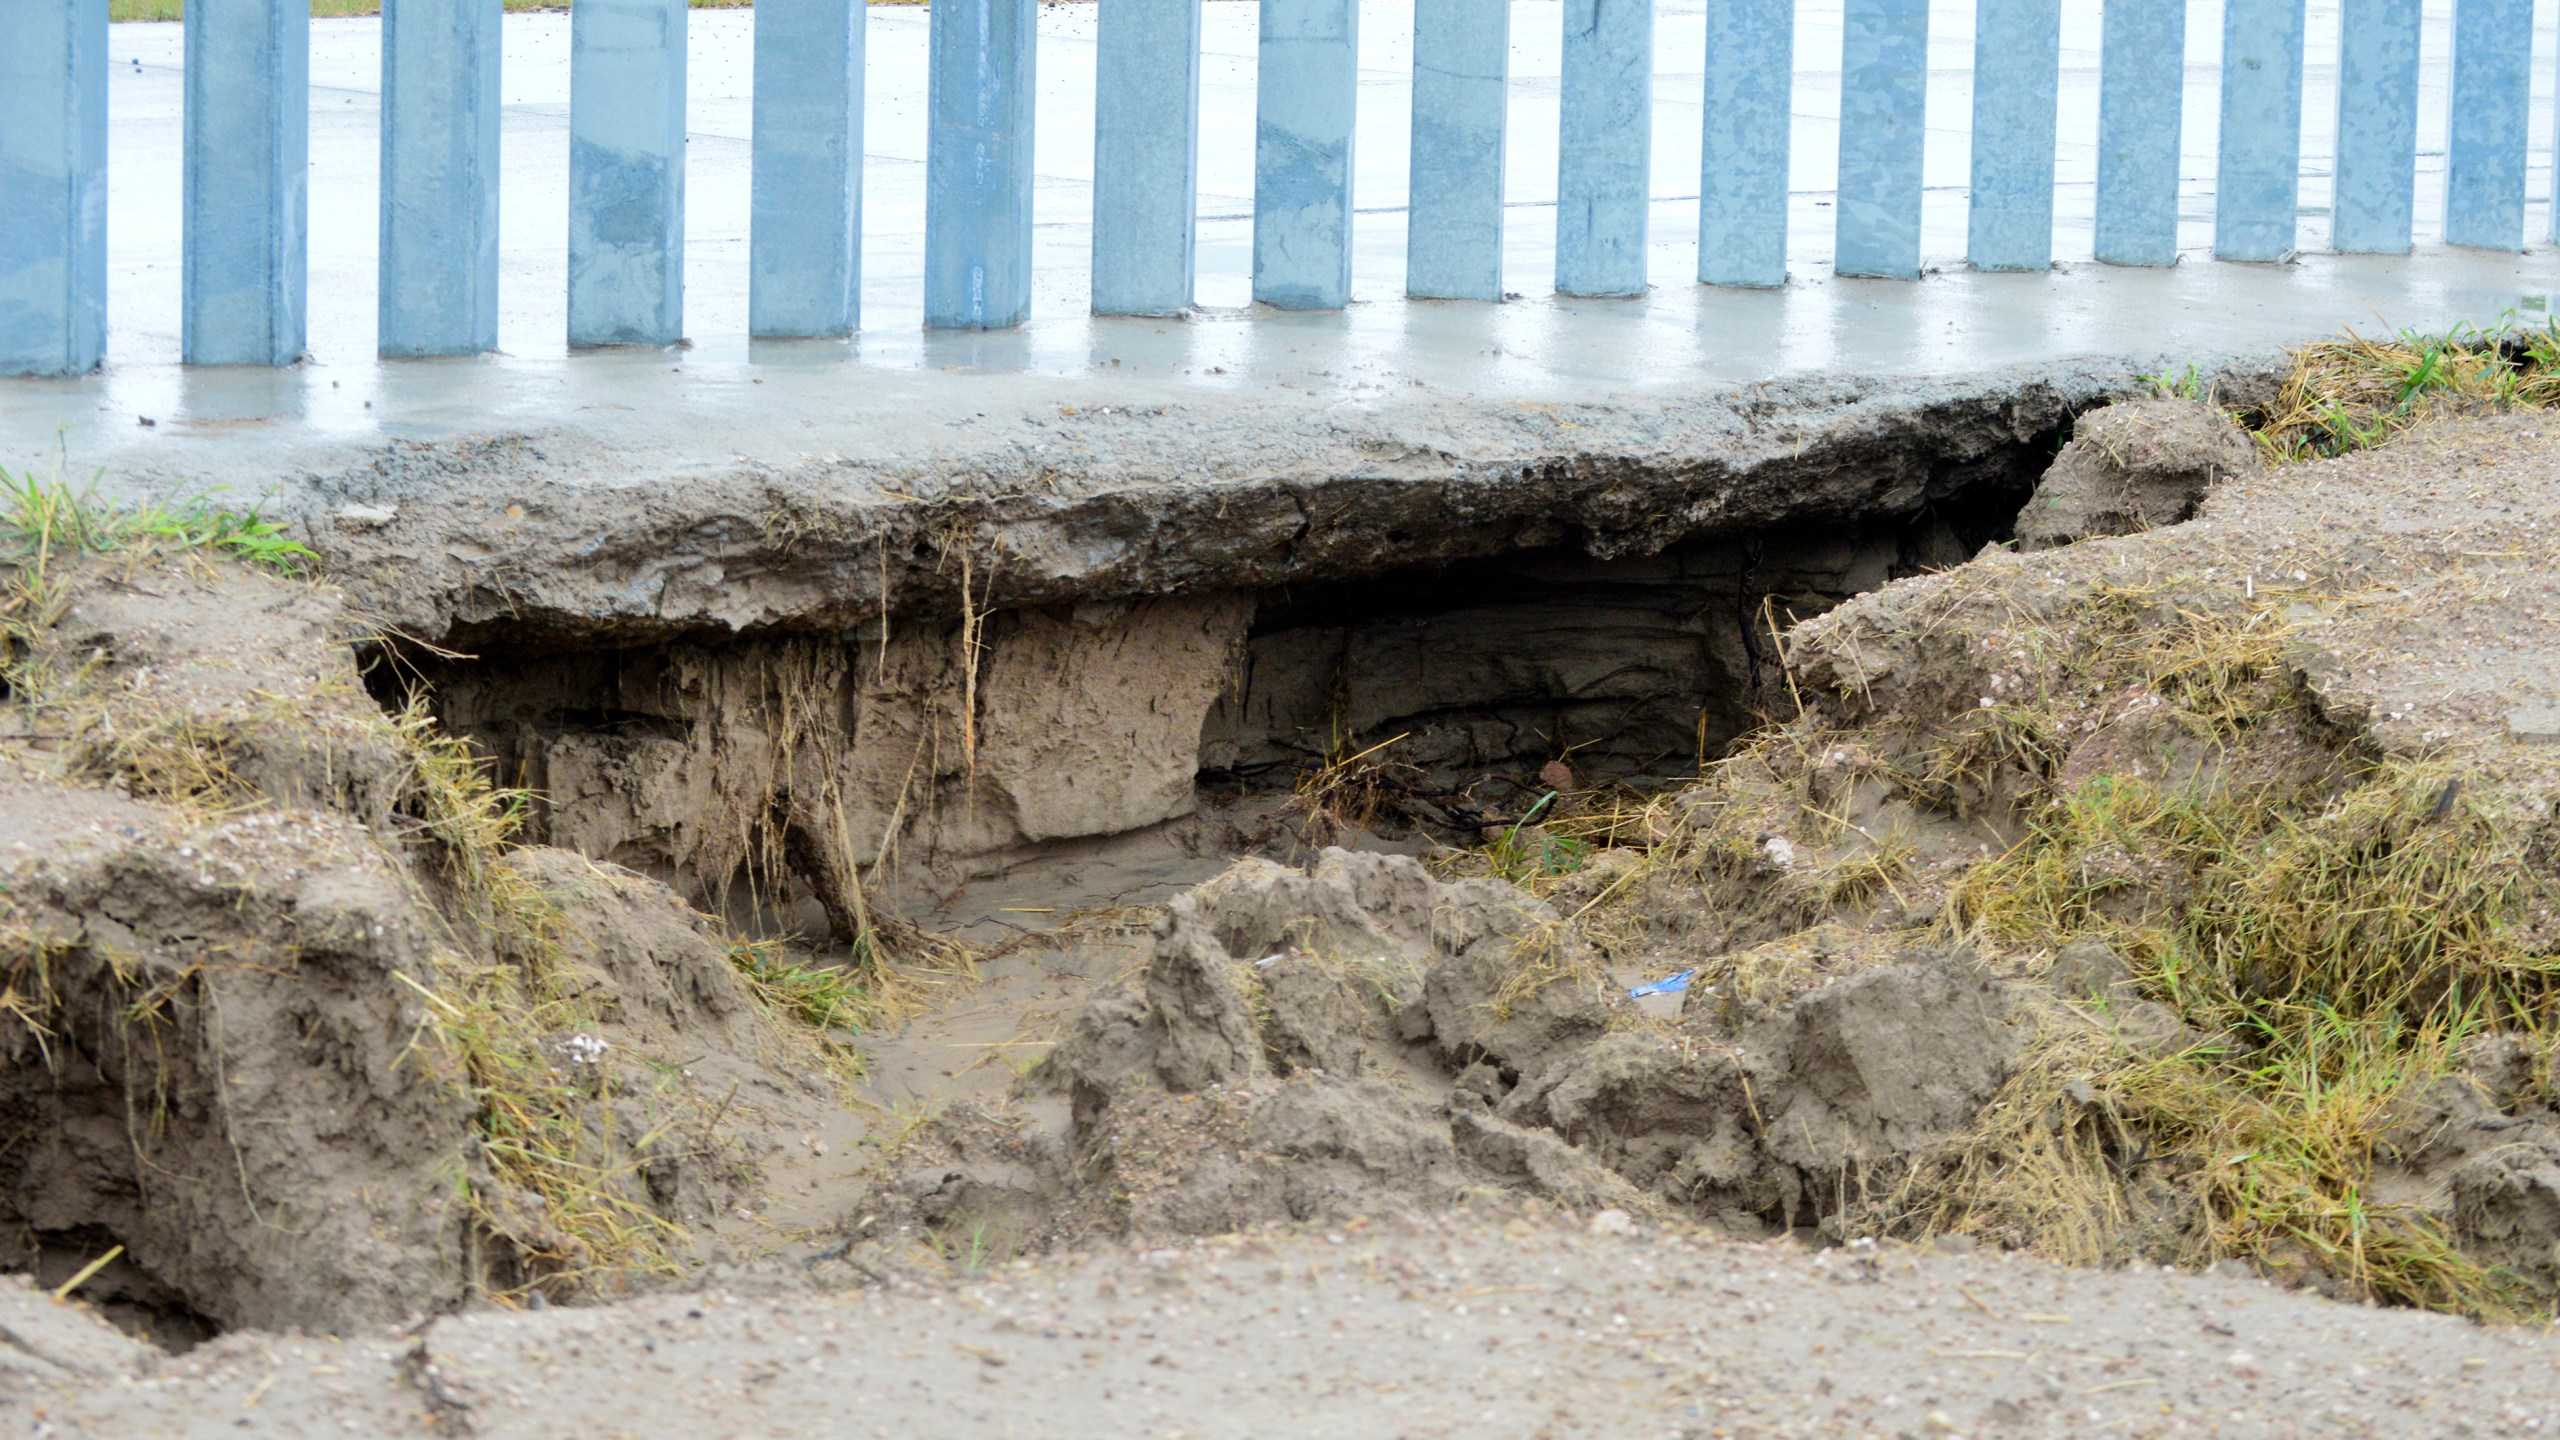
(897, 764)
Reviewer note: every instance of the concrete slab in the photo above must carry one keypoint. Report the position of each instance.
(896, 390)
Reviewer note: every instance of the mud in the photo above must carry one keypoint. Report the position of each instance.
(299, 1022)
(271, 1008)
(1360, 1037)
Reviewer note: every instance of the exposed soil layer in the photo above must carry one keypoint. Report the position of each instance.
(896, 762)
(285, 1023)
(299, 1020)
(1932, 988)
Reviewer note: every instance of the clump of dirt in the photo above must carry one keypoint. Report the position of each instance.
(1362, 1036)
(287, 1016)
(2132, 466)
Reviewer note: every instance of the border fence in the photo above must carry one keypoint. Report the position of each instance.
(246, 196)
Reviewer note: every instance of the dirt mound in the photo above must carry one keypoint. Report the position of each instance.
(2133, 466)
(1362, 1037)
(288, 1020)
(2251, 813)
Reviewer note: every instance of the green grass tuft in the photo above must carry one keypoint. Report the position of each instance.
(45, 517)
(821, 997)
(2354, 393)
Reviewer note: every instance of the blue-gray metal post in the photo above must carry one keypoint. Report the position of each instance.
(438, 278)
(53, 186)
(977, 169)
(626, 172)
(2491, 103)
(2375, 203)
(2257, 187)
(1461, 90)
(1146, 156)
(245, 278)
(2017, 76)
(1742, 181)
(804, 237)
(1303, 101)
(2142, 81)
(1884, 84)
(1604, 168)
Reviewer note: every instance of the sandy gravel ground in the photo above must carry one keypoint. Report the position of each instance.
(1497, 1326)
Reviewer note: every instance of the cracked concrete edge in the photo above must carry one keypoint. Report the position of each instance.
(572, 538)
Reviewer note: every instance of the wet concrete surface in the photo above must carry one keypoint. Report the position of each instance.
(720, 403)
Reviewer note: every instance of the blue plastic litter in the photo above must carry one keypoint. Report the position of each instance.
(1670, 985)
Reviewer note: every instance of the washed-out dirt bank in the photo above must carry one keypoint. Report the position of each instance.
(924, 754)
(307, 1034)
(1000, 645)
(1969, 933)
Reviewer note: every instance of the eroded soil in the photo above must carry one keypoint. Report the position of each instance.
(1371, 1135)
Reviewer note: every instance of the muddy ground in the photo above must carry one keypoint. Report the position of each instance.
(310, 1026)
